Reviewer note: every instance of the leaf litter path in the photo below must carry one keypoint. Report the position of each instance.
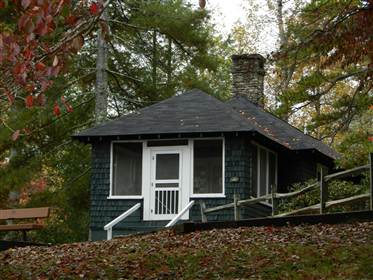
(342, 251)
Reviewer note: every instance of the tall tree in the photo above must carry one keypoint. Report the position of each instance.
(265, 31)
(330, 47)
(46, 155)
(102, 88)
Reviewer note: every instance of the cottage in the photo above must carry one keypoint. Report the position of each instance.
(195, 147)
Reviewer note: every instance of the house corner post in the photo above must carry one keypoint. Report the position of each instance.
(236, 207)
(323, 192)
(274, 200)
(371, 180)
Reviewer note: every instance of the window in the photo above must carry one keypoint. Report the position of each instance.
(161, 143)
(208, 166)
(167, 167)
(126, 169)
(264, 171)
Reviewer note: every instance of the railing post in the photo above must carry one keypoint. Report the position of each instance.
(323, 192)
(274, 200)
(203, 214)
(109, 233)
(109, 227)
(236, 208)
(371, 179)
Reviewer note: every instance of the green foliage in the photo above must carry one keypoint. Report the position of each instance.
(337, 189)
(156, 49)
(356, 145)
(328, 81)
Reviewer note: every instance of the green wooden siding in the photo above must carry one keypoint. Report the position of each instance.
(237, 163)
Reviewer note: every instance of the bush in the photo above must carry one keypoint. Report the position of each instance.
(337, 189)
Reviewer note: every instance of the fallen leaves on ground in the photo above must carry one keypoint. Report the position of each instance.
(342, 251)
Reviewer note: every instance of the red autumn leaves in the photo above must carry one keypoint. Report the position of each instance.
(31, 101)
(33, 51)
(28, 51)
(25, 53)
(95, 8)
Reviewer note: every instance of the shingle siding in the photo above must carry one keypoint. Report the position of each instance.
(237, 163)
(297, 167)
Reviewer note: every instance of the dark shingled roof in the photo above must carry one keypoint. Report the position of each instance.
(276, 129)
(197, 112)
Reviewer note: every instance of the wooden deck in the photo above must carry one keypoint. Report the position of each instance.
(332, 218)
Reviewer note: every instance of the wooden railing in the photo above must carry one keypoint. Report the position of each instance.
(320, 207)
(109, 227)
(178, 216)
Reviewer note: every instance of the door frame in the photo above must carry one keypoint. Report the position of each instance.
(184, 174)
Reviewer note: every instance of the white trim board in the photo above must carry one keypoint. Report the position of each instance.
(258, 148)
(186, 173)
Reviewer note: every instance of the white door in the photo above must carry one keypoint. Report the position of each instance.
(169, 192)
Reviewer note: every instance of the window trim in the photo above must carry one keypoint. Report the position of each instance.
(206, 195)
(111, 196)
(258, 147)
(145, 167)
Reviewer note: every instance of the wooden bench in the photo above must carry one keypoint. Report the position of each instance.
(25, 213)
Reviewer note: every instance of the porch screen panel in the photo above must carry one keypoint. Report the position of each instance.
(255, 170)
(127, 169)
(208, 166)
(167, 167)
(263, 172)
(272, 170)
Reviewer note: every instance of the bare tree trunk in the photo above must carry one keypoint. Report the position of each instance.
(280, 23)
(154, 61)
(286, 72)
(101, 93)
(169, 62)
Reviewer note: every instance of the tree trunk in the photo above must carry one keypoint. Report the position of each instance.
(280, 23)
(154, 61)
(169, 62)
(286, 72)
(101, 92)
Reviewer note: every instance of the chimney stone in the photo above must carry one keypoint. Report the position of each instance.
(248, 77)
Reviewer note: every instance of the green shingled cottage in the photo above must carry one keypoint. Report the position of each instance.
(194, 147)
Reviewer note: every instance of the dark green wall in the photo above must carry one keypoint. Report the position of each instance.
(237, 163)
(298, 166)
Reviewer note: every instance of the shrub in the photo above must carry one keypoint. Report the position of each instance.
(337, 189)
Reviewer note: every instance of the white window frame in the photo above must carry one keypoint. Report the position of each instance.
(146, 167)
(258, 147)
(207, 195)
(111, 196)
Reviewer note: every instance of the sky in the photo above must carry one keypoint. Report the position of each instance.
(227, 12)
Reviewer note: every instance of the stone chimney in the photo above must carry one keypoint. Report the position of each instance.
(248, 77)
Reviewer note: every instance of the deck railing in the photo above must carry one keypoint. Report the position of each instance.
(321, 207)
(109, 227)
(180, 214)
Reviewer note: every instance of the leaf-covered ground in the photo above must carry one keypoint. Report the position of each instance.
(301, 252)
